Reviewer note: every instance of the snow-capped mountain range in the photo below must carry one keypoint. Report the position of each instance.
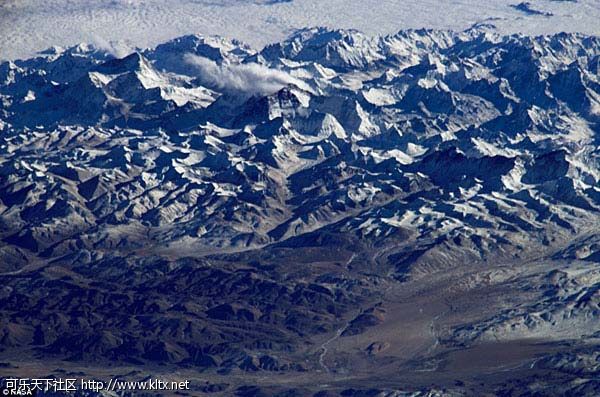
(239, 204)
(206, 143)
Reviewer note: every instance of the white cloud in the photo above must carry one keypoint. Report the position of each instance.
(28, 26)
(242, 79)
(118, 49)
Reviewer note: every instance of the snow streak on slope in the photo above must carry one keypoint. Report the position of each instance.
(27, 26)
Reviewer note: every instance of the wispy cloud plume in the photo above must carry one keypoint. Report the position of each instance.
(242, 79)
(118, 49)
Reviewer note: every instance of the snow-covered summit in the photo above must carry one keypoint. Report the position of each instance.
(206, 141)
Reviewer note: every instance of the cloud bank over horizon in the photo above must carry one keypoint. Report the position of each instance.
(28, 26)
